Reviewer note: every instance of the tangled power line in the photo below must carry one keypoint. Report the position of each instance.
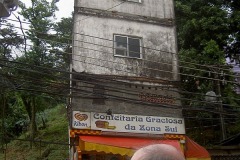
(60, 87)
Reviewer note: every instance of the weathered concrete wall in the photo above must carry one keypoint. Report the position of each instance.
(93, 48)
(150, 8)
(93, 54)
(127, 98)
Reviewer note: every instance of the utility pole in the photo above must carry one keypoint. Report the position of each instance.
(211, 96)
(219, 100)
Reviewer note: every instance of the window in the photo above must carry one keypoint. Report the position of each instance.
(98, 93)
(139, 1)
(127, 46)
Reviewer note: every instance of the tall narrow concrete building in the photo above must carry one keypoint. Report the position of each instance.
(124, 82)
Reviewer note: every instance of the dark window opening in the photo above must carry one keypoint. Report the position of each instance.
(98, 95)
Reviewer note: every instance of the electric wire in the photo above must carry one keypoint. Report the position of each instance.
(96, 77)
(202, 77)
(129, 91)
(89, 17)
(205, 118)
(40, 141)
(111, 97)
(102, 11)
(215, 67)
(209, 126)
(224, 80)
(84, 91)
(111, 40)
(150, 69)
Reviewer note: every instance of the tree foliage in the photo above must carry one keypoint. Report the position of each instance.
(233, 49)
(36, 78)
(9, 41)
(207, 34)
(40, 15)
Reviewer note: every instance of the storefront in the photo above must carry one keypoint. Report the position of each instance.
(97, 136)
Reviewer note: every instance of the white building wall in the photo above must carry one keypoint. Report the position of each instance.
(93, 47)
(151, 8)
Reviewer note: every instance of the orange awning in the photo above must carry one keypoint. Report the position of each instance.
(120, 145)
(194, 151)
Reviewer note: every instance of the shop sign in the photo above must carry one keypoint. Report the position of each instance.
(127, 123)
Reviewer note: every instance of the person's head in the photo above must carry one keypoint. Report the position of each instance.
(158, 152)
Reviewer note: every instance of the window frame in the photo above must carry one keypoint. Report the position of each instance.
(139, 1)
(127, 52)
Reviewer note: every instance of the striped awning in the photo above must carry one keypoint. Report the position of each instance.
(119, 145)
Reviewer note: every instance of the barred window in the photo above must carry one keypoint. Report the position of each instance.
(127, 46)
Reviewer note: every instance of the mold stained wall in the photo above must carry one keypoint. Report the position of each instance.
(164, 109)
(93, 40)
(93, 53)
(96, 55)
(150, 8)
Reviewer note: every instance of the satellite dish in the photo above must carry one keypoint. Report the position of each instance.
(211, 96)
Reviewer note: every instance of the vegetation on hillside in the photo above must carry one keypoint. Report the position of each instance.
(50, 142)
(36, 78)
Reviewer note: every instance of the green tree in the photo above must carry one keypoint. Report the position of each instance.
(232, 50)
(33, 80)
(9, 40)
(62, 45)
(204, 33)
(40, 76)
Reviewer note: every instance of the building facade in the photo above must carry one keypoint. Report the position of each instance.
(125, 74)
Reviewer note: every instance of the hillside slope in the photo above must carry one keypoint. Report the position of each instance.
(51, 143)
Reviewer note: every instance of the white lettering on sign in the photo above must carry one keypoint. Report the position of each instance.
(128, 123)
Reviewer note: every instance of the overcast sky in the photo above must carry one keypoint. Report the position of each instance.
(65, 8)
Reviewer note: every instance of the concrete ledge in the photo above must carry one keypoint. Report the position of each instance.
(124, 16)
